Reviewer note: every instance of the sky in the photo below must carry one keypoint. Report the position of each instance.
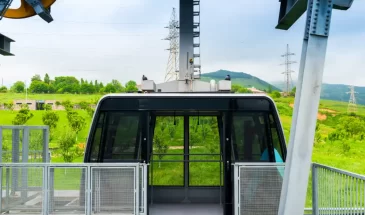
(123, 39)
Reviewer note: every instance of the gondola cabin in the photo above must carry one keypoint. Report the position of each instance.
(190, 142)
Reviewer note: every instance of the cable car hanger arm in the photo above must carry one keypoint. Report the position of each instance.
(29, 8)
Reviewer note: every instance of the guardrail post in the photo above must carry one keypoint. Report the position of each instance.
(137, 187)
(88, 191)
(25, 156)
(15, 159)
(45, 190)
(315, 210)
(236, 190)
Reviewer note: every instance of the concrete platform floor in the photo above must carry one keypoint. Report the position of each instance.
(186, 209)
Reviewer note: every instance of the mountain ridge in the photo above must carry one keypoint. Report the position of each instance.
(239, 78)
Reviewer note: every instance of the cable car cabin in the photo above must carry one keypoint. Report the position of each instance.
(189, 142)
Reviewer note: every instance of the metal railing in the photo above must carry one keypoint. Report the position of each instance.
(92, 188)
(337, 192)
(257, 188)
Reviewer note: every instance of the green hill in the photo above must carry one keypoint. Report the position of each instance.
(239, 78)
(335, 92)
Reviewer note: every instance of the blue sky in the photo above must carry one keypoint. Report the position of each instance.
(122, 39)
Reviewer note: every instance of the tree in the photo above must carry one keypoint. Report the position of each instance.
(172, 130)
(76, 122)
(68, 147)
(9, 106)
(22, 116)
(293, 91)
(51, 119)
(275, 94)
(118, 86)
(18, 87)
(36, 78)
(269, 90)
(46, 79)
(131, 86)
(67, 105)
(38, 87)
(109, 88)
(3, 89)
(160, 144)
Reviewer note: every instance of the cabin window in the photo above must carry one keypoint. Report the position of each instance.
(121, 139)
(116, 137)
(276, 140)
(251, 140)
(96, 141)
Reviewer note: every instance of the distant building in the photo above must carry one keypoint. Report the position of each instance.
(256, 91)
(37, 104)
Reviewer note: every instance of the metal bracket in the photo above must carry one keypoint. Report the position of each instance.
(308, 20)
(342, 4)
(4, 5)
(40, 10)
(321, 17)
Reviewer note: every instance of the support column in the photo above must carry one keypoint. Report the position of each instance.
(307, 99)
(227, 164)
(186, 158)
(186, 30)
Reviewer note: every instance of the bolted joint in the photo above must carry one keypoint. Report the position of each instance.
(322, 12)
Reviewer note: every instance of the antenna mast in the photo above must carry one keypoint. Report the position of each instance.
(288, 71)
(352, 106)
(173, 37)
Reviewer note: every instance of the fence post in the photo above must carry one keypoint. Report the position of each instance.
(45, 190)
(88, 196)
(15, 159)
(315, 210)
(24, 170)
(237, 190)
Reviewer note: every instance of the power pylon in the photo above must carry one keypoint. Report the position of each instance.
(352, 106)
(288, 71)
(173, 37)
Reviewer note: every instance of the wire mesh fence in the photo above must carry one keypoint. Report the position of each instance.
(337, 192)
(23, 144)
(73, 188)
(257, 188)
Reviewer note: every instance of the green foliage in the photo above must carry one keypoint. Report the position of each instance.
(284, 109)
(22, 116)
(36, 78)
(9, 106)
(18, 87)
(38, 86)
(239, 89)
(47, 107)
(46, 79)
(3, 89)
(68, 147)
(51, 119)
(293, 91)
(275, 94)
(160, 144)
(131, 86)
(76, 122)
(67, 105)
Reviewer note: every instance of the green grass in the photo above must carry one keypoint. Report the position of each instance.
(75, 98)
(7, 117)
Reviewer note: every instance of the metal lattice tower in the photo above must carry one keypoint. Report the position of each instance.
(352, 106)
(288, 71)
(173, 37)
